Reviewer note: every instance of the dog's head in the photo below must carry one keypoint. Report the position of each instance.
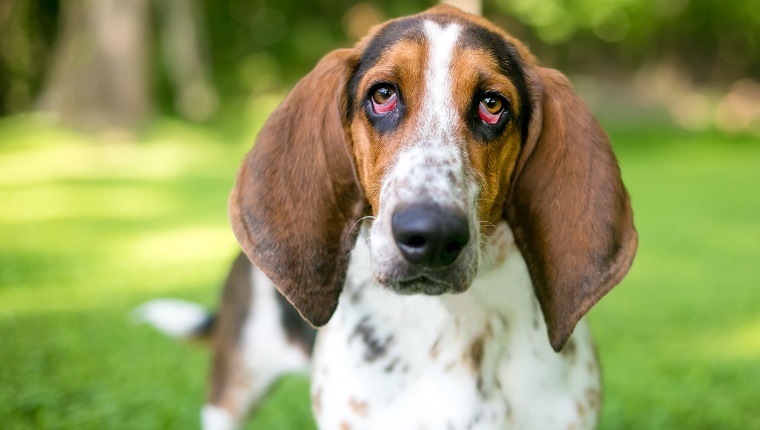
(437, 126)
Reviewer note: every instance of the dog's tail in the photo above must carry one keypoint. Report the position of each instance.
(177, 318)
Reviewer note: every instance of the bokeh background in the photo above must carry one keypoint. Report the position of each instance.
(122, 123)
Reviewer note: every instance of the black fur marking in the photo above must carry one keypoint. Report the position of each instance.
(374, 348)
(205, 329)
(296, 328)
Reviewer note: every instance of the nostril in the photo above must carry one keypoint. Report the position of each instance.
(414, 242)
(454, 247)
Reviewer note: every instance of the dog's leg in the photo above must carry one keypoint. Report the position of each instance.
(258, 336)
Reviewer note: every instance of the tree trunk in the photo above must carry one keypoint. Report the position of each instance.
(99, 77)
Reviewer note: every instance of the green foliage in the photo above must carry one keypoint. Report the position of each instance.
(259, 46)
(711, 40)
(90, 229)
(262, 46)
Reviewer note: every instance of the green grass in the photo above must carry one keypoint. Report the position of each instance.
(91, 227)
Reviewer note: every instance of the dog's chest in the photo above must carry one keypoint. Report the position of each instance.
(480, 360)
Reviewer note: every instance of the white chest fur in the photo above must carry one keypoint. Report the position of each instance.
(479, 360)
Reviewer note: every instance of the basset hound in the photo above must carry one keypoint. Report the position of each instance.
(446, 211)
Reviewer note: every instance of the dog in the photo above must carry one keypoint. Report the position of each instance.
(446, 211)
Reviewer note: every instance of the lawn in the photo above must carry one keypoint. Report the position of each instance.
(90, 227)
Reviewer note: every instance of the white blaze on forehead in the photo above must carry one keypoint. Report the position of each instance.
(438, 114)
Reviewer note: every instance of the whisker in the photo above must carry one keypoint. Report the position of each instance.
(355, 224)
(370, 217)
(487, 223)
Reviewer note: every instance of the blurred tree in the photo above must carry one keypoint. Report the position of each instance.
(183, 43)
(244, 47)
(27, 29)
(99, 76)
(710, 41)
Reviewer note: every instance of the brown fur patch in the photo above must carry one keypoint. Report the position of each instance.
(570, 350)
(316, 402)
(360, 408)
(475, 357)
(228, 378)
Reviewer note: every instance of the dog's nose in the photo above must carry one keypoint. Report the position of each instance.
(428, 235)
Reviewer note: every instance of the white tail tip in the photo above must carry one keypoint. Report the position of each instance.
(173, 317)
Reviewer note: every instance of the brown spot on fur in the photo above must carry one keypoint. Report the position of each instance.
(570, 351)
(360, 408)
(345, 426)
(581, 409)
(316, 401)
(593, 397)
(435, 350)
(476, 353)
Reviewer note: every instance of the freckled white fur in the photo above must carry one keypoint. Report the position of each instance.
(173, 317)
(525, 384)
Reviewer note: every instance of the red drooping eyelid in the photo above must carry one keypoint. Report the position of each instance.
(385, 107)
(491, 118)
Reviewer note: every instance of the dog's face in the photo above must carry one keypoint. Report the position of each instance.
(435, 109)
(437, 127)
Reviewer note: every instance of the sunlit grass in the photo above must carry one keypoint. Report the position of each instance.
(676, 337)
(91, 226)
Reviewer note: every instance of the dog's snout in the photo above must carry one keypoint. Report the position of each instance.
(429, 236)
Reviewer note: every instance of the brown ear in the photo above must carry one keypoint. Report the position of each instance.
(568, 208)
(297, 198)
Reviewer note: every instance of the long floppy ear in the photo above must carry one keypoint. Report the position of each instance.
(297, 197)
(569, 211)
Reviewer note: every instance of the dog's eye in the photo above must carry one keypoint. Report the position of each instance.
(384, 99)
(490, 108)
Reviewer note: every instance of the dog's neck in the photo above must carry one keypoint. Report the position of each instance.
(500, 308)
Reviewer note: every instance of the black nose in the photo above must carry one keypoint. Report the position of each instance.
(429, 236)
